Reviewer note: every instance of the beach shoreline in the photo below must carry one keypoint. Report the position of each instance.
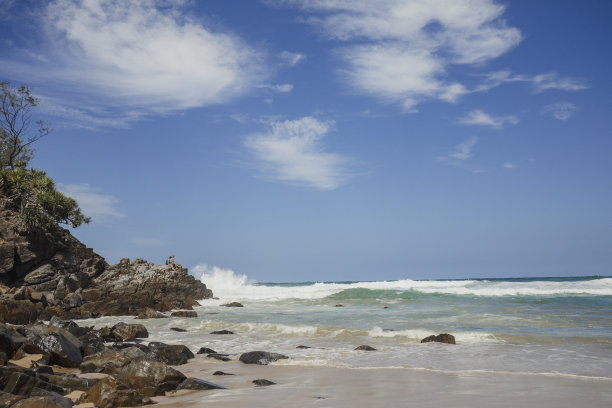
(317, 386)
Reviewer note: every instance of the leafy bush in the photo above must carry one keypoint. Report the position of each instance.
(33, 195)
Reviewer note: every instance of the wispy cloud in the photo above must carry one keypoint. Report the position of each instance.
(292, 151)
(461, 153)
(146, 56)
(282, 88)
(539, 82)
(95, 205)
(291, 58)
(481, 118)
(400, 50)
(508, 165)
(560, 110)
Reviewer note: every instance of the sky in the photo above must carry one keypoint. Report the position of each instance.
(328, 140)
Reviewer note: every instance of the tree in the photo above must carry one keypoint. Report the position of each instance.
(16, 136)
(29, 192)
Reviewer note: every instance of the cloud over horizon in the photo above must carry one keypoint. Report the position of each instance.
(292, 151)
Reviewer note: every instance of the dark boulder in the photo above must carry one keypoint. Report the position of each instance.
(149, 313)
(110, 393)
(169, 354)
(302, 347)
(7, 345)
(221, 357)
(151, 377)
(19, 311)
(261, 357)
(178, 329)
(184, 313)
(365, 347)
(262, 382)
(19, 381)
(8, 399)
(440, 338)
(206, 350)
(197, 384)
(44, 402)
(221, 373)
(222, 332)
(63, 348)
(49, 398)
(111, 361)
(130, 331)
(233, 304)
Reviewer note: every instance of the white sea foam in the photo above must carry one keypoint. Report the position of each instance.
(418, 334)
(227, 285)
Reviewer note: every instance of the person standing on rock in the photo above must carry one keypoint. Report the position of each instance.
(170, 261)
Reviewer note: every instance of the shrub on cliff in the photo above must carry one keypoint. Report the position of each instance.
(28, 191)
(33, 195)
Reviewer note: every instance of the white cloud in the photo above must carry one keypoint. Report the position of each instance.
(461, 153)
(93, 204)
(540, 82)
(481, 118)
(291, 58)
(560, 110)
(142, 55)
(282, 88)
(292, 151)
(508, 165)
(400, 50)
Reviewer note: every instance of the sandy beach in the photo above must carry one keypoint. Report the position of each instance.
(304, 386)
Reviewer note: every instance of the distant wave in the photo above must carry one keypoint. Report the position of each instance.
(227, 285)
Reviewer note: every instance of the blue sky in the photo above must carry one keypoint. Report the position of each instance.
(294, 140)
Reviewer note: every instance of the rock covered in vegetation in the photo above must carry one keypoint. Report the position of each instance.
(440, 338)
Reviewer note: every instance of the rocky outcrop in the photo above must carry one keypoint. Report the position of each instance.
(45, 273)
(129, 288)
(51, 262)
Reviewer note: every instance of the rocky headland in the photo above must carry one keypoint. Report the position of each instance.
(45, 273)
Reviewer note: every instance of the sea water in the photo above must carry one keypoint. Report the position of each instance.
(543, 326)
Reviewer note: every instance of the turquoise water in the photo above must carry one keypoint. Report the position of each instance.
(545, 326)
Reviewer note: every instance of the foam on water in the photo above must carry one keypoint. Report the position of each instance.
(228, 285)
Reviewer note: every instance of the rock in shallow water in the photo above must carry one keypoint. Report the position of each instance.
(197, 384)
(261, 357)
(365, 347)
(262, 382)
(440, 338)
(184, 313)
(222, 332)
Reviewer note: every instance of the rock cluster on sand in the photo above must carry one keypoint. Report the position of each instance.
(48, 272)
(136, 372)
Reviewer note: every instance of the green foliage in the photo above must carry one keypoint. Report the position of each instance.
(28, 191)
(16, 133)
(33, 195)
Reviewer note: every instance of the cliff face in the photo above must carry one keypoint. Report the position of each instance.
(45, 273)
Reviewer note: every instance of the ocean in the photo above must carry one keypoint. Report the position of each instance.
(535, 326)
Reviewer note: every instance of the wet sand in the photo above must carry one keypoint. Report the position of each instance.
(311, 386)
